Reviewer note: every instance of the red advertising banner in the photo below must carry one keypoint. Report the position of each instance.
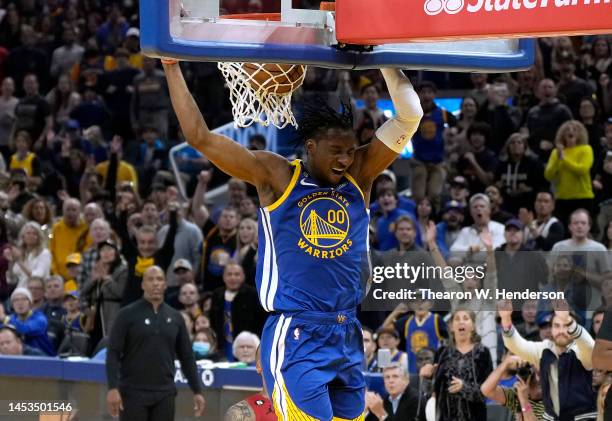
(372, 22)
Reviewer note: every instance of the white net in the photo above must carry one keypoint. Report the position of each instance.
(261, 93)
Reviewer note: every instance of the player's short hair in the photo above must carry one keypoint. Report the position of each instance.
(318, 117)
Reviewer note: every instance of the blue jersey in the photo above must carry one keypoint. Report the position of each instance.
(426, 334)
(313, 247)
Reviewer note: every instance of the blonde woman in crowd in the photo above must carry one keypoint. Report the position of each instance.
(39, 210)
(569, 170)
(30, 258)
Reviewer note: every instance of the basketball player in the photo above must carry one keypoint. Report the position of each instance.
(313, 239)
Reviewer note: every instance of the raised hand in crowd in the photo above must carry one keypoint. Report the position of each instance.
(204, 177)
(504, 308)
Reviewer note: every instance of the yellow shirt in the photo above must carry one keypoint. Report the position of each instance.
(64, 242)
(571, 176)
(135, 61)
(125, 172)
(24, 164)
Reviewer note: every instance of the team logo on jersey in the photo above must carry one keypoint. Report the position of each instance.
(419, 340)
(324, 224)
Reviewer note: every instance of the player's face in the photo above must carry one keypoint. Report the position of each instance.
(332, 155)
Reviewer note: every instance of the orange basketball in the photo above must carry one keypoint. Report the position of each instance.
(274, 78)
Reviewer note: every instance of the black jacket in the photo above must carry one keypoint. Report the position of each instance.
(247, 313)
(406, 410)
(143, 346)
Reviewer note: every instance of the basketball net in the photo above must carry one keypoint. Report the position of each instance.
(254, 103)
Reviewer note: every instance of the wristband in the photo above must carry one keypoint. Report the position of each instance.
(526, 408)
(169, 61)
(396, 134)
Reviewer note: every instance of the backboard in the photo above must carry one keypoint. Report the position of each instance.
(289, 31)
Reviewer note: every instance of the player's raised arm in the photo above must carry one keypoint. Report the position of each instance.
(229, 156)
(394, 135)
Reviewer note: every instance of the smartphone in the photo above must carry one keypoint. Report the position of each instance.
(384, 357)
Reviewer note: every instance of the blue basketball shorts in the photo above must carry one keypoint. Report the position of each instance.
(312, 364)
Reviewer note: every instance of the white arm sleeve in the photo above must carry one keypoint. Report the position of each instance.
(584, 344)
(527, 350)
(396, 132)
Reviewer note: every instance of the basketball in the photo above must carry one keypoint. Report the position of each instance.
(280, 79)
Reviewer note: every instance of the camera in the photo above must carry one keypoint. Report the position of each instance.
(524, 372)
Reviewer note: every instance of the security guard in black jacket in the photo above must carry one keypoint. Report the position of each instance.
(145, 340)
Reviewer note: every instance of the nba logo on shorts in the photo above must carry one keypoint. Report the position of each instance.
(434, 7)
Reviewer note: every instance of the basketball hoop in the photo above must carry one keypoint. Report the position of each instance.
(261, 92)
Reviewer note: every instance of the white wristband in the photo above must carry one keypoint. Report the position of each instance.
(396, 134)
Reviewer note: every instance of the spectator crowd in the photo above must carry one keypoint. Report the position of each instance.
(522, 173)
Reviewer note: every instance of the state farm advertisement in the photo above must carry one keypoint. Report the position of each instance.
(394, 21)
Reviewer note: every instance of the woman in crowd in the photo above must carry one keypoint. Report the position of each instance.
(62, 99)
(246, 249)
(39, 210)
(462, 367)
(205, 345)
(425, 213)
(201, 322)
(519, 174)
(569, 170)
(30, 258)
(245, 346)
(103, 290)
(599, 60)
(589, 116)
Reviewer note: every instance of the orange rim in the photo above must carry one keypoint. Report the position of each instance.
(329, 6)
(254, 16)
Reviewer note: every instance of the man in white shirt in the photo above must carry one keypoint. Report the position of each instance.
(469, 237)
